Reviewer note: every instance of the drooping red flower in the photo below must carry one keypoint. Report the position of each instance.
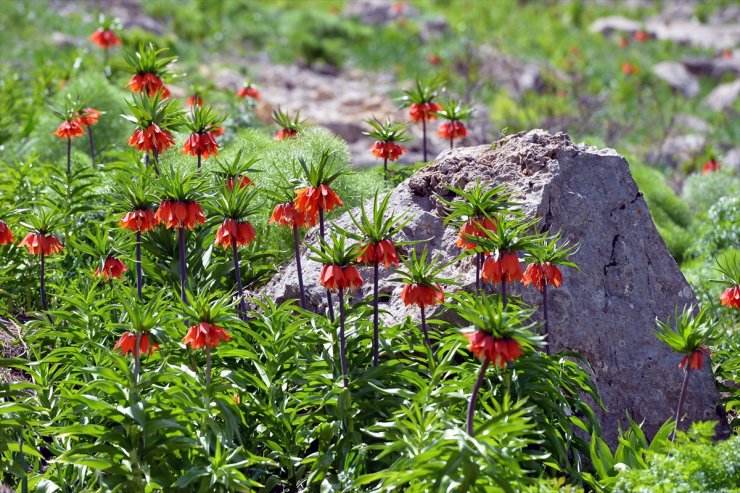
(112, 268)
(287, 214)
(139, 220)
(127, 344)
(153, 138)
(218, 131)
(285, 133)
(731, 297)
(244, 181)
(419, 112)
(623, 41)
(105, 38)
(387, 150)
(334, 277)
(38, 244)
(384, 252)
(205, 335)
(710, 167)
(5, 234)
(539, 274)
(434, 59)
(88, 116)
(726, 54)
(69, 130)
(629, 68)
(195, 100)
(506, 267)
(422, 295)
(642, 36)
(243, 232)
(695, 360)
(204, 143)
(312, 199)
(248, 92)
(452, 130)
(175, 214)
(149, 83)
(497, 351)
(474, 227)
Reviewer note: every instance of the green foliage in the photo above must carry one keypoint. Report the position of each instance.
(702, 192)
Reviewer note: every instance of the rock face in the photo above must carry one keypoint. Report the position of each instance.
(606, 311)
(678, 77)
(723, 96)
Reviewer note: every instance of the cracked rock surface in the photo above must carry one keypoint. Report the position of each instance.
(607, 310)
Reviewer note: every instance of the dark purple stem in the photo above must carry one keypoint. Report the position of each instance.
(328, 293)
(137, 357)
(478, 257)
(376, 334)
(238, 275)
(200, 158)
(424, 329)
(69, 156)
(452, 143)
(681, 398)
(139, 275)
(342, 342)
(43, 282)
(474, 395)
(156, 162)
(183, 266)
(546, 328)
(208, 365)
(385, 168)
(297, 246)
(503, 290)
(92, 144)
(424, 133)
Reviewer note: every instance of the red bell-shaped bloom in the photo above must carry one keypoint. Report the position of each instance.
(248, 92)
(232, 231)
(629, 68)
(287, 214)
(195, 100)
(5, 234)
(285, 133)
(384, 252)
(205, 335)
(204, 143)
(112, 268)
(69, 130)
(105, 38)
(710, 167)
(540, 274)
(474, 227)
(177, 214)
(387, 150)
(421, 295)
(497, 351)
(731, 297)
(38, 244)
(695, 360)
(419, 112)
(88, 116)
(313, 199)
(334, 277)
(218, 131)
(452, 130)
(139, 220)
(506, 268)
(151, 139)
(149, 83)
(127, 344)
(243, 181)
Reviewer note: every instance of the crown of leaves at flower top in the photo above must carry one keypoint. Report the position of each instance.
(72, 109)
(283, 120)
(691, 331)
(377, 227)
(212, 308)
(134, 193)
(729, 265)
(478, 202)
(421, 270)
(141, 316)
(106, 23)
(488, 313)
(99, 245)
(338, 252)
(180, 184)
(550, 249)
(203, 119)
(322, 171)
(513, 234)
(147, 60)
(237, 167)
(152, 110)
(453, 111)
(387, 131)
(43, 221)
(424, 91)
(237, 204)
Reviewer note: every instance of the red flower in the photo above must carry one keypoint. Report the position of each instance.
(69, 130)
(112, 268)
(285, 133)
(623, 41)
(629, 69)
(474, 227)
(313, 199)
(248, 92)
(218, 131)
(88, 116)
(710, 167)
(38, 244)
(105, 38)
(153, 138)
(497, 351)
(506, 268)
(695, 359)
(195, 100)
(242, 232)
(5, 235)
(149, 83)
(387, 150)
(139, 220)
(727, 54)
(731, 297)
(384, 252)
(204, 143)
(642, 36)
(539, 274)
(205, 335)
(422, 295)
(334, 277)
(287, 215)
(452, 130)
(423, 111)
(434, 59)
(127, 344)
(180, 214)
(244, 181)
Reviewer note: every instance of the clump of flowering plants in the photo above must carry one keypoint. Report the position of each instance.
(289, 126)
(235, 173)
(105, 37)
(202, 125)
(87, 117)
(142, 317)
(499, 333)
(148, 69)
(421, 104)
(453, 128)
(70, 127)
(43, 242)
(729, 266)
(102, 248)
(387, 134)
(689, 336)
(340, 275)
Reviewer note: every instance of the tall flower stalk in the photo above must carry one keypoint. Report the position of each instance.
(387, 135)
(453, 128)
(421, 105)
(202, 124)
(70, 127)
(43, 242)
(149, 69)
(87, 118)
(207, 314)
(142, 317)
(106, 38)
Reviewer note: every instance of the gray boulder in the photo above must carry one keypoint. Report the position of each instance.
(678, 77)
(723, 96)
(607, 311)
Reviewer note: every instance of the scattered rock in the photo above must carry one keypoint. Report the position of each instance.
(379, 12)
(615, 24)
(723, 96)
(606, 311)
(679, 148)
(62, 40)
(731, 159)
(677, 77)
(433, 29)
(693, 124)
(713, 67)
(515, 75)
